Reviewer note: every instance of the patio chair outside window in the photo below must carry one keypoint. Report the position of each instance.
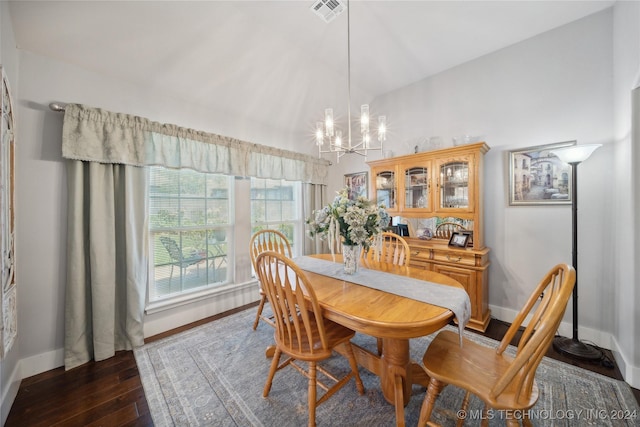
(177, 257)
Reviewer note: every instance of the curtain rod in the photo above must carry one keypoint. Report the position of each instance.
(56, 106)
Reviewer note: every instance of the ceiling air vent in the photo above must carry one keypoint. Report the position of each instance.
(328, 9)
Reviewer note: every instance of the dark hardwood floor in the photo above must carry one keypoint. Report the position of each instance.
(109, 393)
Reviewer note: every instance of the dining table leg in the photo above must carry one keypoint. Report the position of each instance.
(395, 378)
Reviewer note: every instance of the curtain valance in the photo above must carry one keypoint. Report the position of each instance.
(94, 134)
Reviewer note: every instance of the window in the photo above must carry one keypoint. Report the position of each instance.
(276, 204)
(190, 221)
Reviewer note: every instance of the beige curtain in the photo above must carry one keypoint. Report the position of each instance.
(106, 260)
(314, 198)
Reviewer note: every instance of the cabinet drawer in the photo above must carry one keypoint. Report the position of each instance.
(455, 257)
(420, 254)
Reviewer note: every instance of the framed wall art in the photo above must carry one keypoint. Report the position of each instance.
(537, 177)
(357, 184)
(8, 317)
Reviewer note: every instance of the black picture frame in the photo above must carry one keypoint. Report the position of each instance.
(459, 239)
(470, 234)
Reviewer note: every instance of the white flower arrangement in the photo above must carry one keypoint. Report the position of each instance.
(350, 222)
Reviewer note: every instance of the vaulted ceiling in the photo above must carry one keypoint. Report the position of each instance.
(276, 61)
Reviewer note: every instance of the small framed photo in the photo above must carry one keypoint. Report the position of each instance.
(357, 184)
(459, 239)
(538, 177)
(470, 234)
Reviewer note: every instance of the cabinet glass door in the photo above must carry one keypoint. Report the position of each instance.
(416, 188)
(454, 185)
(386, 188)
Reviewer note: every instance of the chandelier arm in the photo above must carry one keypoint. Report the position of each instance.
(362, 153)
(357, 146)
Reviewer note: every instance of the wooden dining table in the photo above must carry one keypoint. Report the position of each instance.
(395, 319)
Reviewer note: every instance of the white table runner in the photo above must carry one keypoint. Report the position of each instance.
(454, 299)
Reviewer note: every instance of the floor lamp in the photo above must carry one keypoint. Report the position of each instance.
(574, 155)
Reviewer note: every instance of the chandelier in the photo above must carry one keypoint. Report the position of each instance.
(329, 138)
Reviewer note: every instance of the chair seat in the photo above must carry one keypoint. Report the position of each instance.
(193, 259)
(302, 349)
(472, 367)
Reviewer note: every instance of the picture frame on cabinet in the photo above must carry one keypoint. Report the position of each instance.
(470, 234)
(538, 177)
(357, 184)
(459, 239)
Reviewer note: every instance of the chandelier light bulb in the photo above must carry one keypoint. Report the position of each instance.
(328, 121)
(382, 128)
(338, 140)
(364, 118)
(319, 133)
(366, 139)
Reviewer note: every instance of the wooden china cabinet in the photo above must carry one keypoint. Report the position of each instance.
(434, 188)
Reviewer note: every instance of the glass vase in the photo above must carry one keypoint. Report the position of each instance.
(351, 258)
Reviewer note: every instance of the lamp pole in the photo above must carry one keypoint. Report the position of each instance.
(573, 347)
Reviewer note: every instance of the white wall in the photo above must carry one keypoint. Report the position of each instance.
(552, 88)
(555, 87)
(626, 343)
(9, 366)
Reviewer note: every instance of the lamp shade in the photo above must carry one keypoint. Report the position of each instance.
(575, 153)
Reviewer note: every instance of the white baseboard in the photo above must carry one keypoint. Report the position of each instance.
(10, 392)
(591, 336)
(630, 373)
(25, 368)
(40, 363)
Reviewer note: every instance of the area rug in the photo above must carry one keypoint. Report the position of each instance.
(214, 374)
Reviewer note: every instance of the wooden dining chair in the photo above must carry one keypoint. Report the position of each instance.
(394, 250)
(261, 241)
(445, 229)
(301, 332)
(502, 382)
